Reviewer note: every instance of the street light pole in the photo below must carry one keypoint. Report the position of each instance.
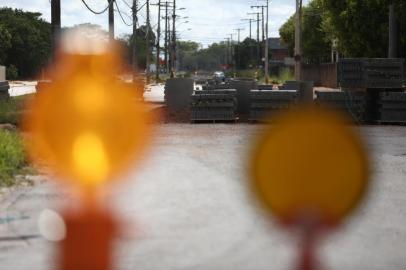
(111, 20)
(173, 54)
(148, 49)
(298, 39)
(55, 22)
(134, 39)
(158, 49)
(267, 44)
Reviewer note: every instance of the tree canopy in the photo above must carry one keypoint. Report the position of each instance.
(25, 41)
(359, 28)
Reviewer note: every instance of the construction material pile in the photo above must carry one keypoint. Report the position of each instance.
(393, 107)
(178, 92)
(290, 85)
(265, 103)
(352, 103)
(4, 87)
(371, 73)
(214, 105)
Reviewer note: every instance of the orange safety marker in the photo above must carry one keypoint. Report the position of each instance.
(90, 128)
(310, 170)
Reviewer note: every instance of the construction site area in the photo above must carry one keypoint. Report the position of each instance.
(239, 135)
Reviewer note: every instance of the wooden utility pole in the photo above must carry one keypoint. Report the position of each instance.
(237, 51)
(148, 49)
(134, 40)
(166, 36)
(55, 23)
(258, 43)
(173, 47)
(298, 40)
(250, 22)
(267, 44)
(111, 19)
(158, 45)
(392, 32)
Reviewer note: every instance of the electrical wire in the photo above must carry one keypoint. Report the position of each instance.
(121, 15)
(98, 12)
(128, 5)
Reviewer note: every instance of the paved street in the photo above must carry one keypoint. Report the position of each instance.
(192, 210)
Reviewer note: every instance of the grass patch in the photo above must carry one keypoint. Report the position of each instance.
(12, 157)
(12, 109)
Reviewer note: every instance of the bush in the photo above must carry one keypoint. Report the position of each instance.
(11, 73)
(12, 156)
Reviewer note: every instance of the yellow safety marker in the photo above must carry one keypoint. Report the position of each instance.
(310, 167)
(87, 125)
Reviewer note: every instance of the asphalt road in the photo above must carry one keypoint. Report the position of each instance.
(190, 209)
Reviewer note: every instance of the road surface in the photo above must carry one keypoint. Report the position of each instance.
(191, 210)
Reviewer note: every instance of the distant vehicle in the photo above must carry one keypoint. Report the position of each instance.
(219, 76)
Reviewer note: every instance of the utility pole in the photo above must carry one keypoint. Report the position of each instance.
(134, 52)
(239, 32)
(55, 22)
(258, 45)
(298, 40)
(250, 22)
(158, 49)
(227, 51)
(148, 49)
(393, 48)
(238, 48)
(111, 20)
(262, 13)
(267, 44)
(173, 55)
(166, 37)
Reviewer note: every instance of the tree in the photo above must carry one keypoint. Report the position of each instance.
(361, 26)
(30, 47)
(126, 42)
(316, 41)
(5, 43)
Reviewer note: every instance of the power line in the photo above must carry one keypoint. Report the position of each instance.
(121, 16)
(98, 12)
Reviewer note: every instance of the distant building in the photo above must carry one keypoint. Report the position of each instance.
(279, 50)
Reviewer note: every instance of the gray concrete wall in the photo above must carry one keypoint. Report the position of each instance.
(2, 73)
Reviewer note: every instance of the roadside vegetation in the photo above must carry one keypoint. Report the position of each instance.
(11, 110)
(12, 157)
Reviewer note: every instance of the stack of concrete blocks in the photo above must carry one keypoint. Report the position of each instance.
(352, 103)
(393, 107)
(265, 104)
(214, 105)
(178, 92)
(368, 73)
(290, 85)
(265, 87)
(243, 88)
(4, 85)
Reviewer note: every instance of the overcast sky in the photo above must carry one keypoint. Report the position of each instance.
(210, 20)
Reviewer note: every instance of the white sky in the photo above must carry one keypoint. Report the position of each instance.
(210, 20)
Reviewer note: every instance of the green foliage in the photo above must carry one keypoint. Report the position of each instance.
(11, 72)
(30, 41)
(285, 75)
(12, 156)
(360, 28)
(246, 54)
(316, 44)
(11, 110)
(5, 43)
(126, 43)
